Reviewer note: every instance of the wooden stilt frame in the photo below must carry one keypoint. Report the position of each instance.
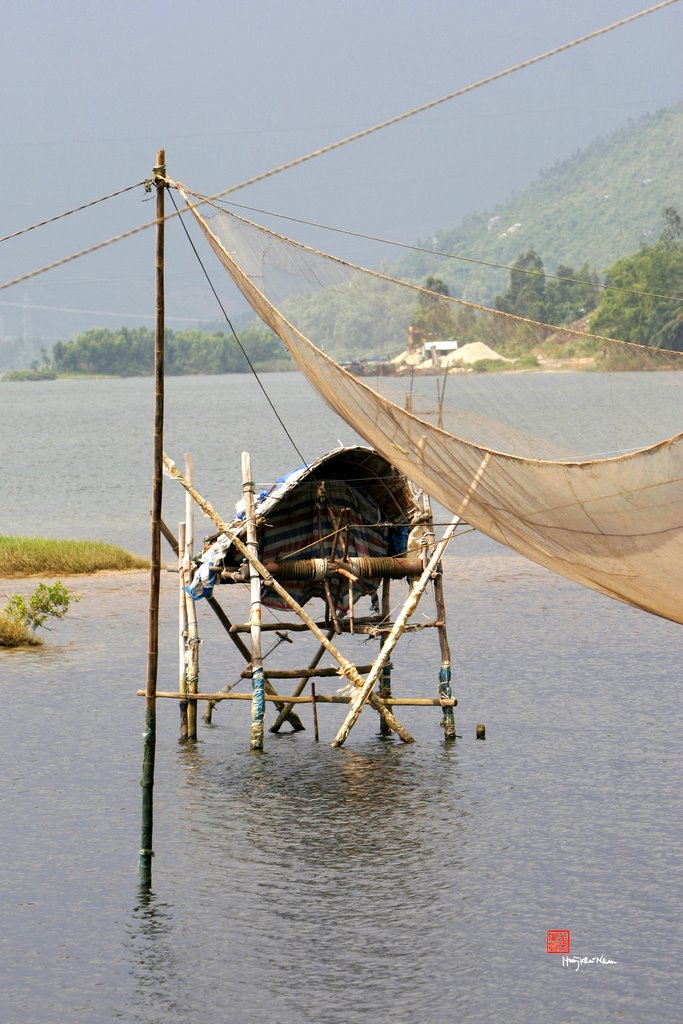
(347, 668)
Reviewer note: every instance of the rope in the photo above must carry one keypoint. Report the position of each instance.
(444, 99)
(234, 334)
(67, 213)
(350, 138)
(82, 252)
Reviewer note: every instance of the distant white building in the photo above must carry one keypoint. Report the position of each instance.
(437, 350)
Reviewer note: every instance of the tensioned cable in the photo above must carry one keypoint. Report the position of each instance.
(67, 213)
(84, 252)
(98, 312)
(431, 252)
(350, 138)
(234, 334)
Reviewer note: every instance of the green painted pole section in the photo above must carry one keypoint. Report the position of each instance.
(150, 733)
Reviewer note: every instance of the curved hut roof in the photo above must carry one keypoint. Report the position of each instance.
(351, 502)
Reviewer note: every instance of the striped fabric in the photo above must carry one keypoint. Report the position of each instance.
(299, 521)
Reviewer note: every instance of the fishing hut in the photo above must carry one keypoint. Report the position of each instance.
(336, 535)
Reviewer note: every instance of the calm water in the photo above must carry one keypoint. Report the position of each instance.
(376, 883)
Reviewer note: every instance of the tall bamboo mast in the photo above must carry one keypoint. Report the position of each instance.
(147, 780)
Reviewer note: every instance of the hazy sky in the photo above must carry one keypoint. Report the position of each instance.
(90, 91)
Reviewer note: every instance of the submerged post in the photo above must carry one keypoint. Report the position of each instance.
(147, 779)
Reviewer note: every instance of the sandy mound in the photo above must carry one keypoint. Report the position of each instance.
(472, 353)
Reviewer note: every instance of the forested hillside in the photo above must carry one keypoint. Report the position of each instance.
(578, 220)
(592, 209)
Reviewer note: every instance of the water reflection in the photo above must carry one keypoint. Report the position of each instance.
(160, 979)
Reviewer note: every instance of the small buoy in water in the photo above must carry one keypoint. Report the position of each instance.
(481, 731)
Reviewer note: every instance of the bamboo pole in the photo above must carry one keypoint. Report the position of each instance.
(258, 704)
(303, 673)
(448, 718)
(316, 734)
(373, 627)
(191, 643)
(320, 698)
(291, 716)
(147, 778)
(365, 692)
(348, 669)
(189, 509)
(182, 633)
(385, 679)
(192, 625)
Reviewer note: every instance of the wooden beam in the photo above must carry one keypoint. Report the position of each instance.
(303, 673)
(320, 698)
(376, 627)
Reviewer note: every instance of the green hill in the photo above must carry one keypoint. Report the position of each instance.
(596, 207)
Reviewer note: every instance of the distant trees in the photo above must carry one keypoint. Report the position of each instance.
(360, 317)
(639, 314)
(431, 314)
(129, 352)
(560, 299)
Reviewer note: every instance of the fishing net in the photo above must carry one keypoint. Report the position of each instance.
(580, 470)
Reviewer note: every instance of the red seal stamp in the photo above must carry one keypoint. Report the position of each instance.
(557, 941)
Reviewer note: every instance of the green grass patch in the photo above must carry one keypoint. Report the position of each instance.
(36, 556)
(35, 373)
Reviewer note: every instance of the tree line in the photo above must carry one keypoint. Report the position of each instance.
(643, 305)
(129, 352)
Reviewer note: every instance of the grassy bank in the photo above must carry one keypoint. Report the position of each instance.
(36, 556)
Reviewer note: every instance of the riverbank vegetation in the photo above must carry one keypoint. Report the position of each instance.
(36, 556)
(638, 308)
(35, 372)
(129, 352)
(23, 616)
